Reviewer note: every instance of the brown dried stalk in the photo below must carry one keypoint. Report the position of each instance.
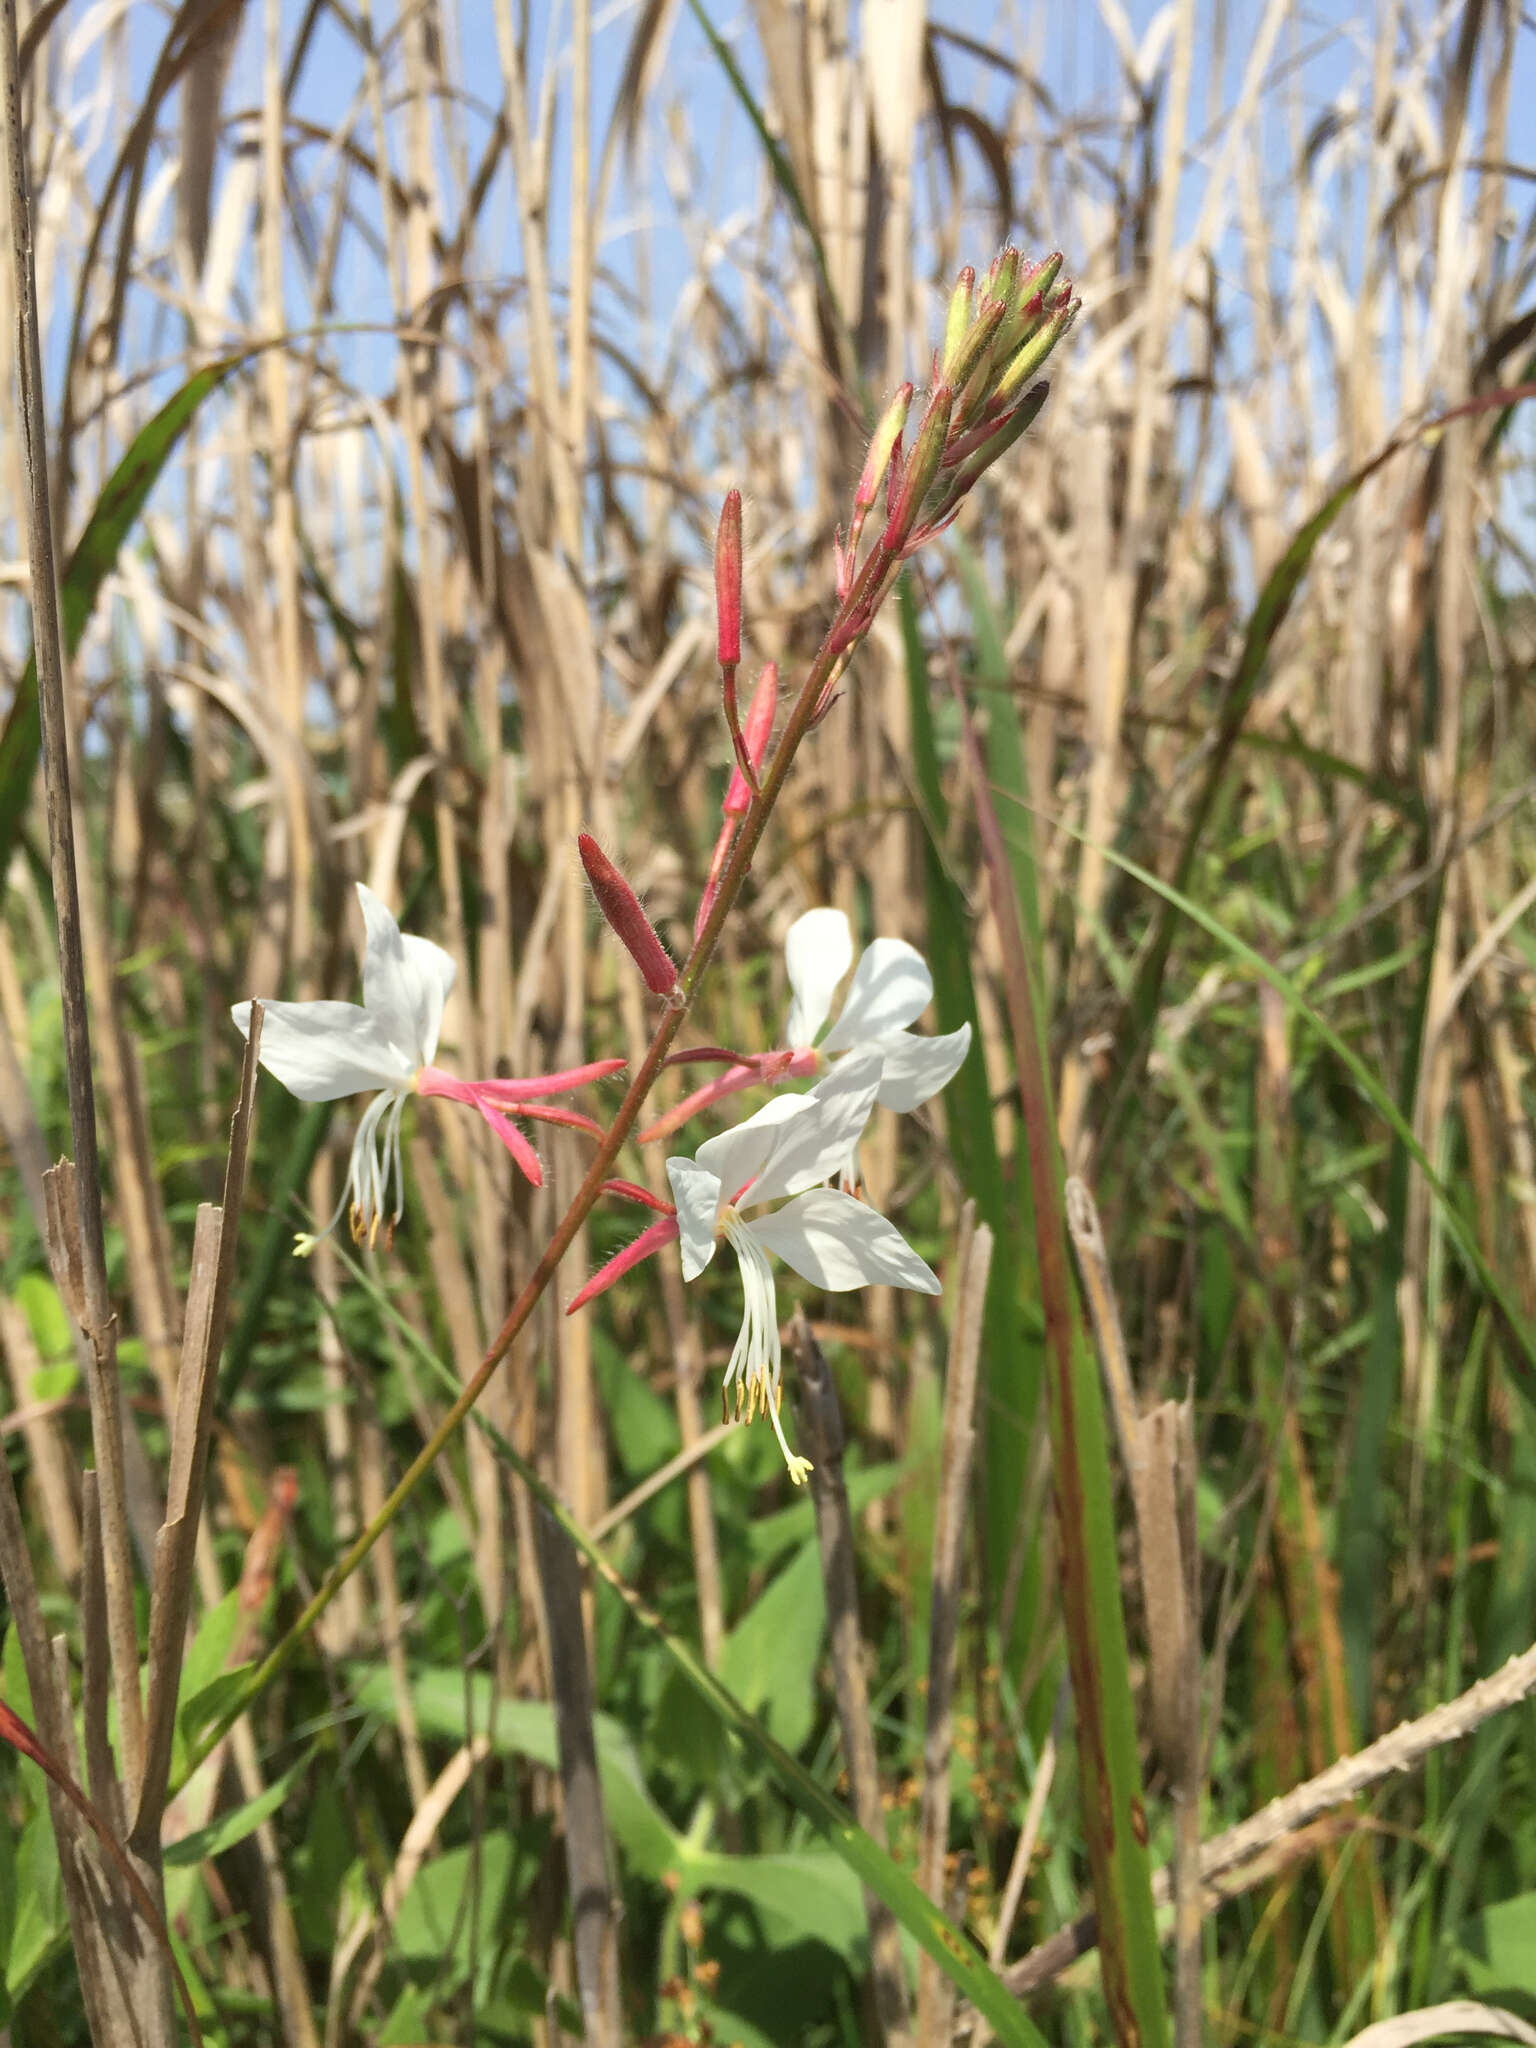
(821, 1431)
(1291, 1817)
(973, 1261)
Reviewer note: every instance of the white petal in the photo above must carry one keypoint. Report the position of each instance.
(738, 1155)
(816, 1144)
(321, 1051)
(817, 951)
(916, 1068)
(697, 1193)
(404, 982)
(891, 986)
(839, 1243)
(434, 971)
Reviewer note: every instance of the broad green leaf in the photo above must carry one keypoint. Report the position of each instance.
(203, 1672)
(434, 1922)
(1495, 1950)
(41, 1928)
(769, 1658)
(448, 1706)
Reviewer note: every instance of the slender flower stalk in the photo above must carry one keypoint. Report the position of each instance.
(323, 1051)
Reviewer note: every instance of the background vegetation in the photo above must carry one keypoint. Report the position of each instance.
(423, 589)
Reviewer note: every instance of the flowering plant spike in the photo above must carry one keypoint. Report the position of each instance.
(322, 1051)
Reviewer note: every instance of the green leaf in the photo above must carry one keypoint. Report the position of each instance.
(448, 1706)
(41, 1928)
(434, 1924)
(117, 510)
(1012, 1355)
(1495, 1950)
(769, 1658)
(233, 1827)
(804, 1895)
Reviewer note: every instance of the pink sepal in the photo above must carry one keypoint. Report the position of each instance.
(662, 1231)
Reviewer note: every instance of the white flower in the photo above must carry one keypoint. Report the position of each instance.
(785, 1151)
(891, 988)
(322, 1051)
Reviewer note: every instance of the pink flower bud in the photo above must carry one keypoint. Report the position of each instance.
(921, 469)
(621, 906)
(754, 736)
(728, 580)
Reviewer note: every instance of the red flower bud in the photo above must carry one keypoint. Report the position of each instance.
(754, 737)
(621, 906)
(728, 580)
(922, 467)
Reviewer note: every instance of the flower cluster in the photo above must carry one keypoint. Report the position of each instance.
(796, 1143)
(760, 1188)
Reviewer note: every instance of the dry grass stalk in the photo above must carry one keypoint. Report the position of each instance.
(593, 1939)
(1158, 1448)
(973, 1262)
(821, 1433)
(207, 1314)
(1239, 1849)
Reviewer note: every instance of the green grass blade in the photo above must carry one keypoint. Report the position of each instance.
(117, 509)
(1520, 1344)
(1363, 1513)
(1109, 1765)
(779, 165)
(1013, 1360)
(1264, 622)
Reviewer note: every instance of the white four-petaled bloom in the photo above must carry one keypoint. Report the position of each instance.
(325, 1050)
(782, 1154)
(890, 990)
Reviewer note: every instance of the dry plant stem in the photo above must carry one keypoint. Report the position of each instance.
(97, 1319)
(687, 1461)
(586, 1836)
(207, 1313)
(1159, 1452)
(1029, 1833)
(1294, 1811)
(935, 1998)
(821, 1429)
(431, 1811)
(870, 587)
